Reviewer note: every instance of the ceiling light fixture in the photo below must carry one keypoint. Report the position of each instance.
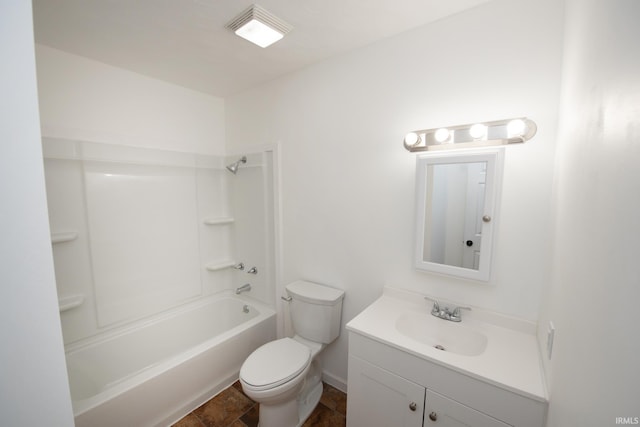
(259, 26)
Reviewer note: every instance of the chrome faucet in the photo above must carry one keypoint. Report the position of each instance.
(243, 288)
(446, 313)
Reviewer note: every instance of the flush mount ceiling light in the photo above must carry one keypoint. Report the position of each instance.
(500, 132)
(259, 26)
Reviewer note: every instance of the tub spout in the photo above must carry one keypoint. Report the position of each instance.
(243, 288)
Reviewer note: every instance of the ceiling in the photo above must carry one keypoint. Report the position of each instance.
(185, 41)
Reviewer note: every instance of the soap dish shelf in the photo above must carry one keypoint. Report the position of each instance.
(218, 220)
(69, 302)
(63, 236)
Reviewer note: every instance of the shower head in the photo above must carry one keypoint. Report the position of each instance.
(233, 167)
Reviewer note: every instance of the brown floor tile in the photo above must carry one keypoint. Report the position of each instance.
(334, 399)
(232, 408)
(224, 409)
(237, 385)
(325, 417)
(250, 419)
(189, 421)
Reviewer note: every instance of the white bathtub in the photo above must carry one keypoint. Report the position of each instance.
(154, 372)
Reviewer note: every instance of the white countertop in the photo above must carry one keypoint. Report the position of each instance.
(511, 359)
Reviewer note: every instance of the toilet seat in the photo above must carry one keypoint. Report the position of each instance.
(275, 363)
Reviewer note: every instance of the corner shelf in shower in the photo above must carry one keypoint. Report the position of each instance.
(63, 236)
(218, 220)
(220, 265)
(69, 302)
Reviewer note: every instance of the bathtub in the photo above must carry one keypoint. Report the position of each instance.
(154, 372)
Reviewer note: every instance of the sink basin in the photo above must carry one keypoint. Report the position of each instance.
(441, 334)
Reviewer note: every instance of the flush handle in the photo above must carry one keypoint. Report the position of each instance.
(413, 406)
(433, 416)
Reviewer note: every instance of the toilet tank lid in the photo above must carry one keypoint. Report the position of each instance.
(314, 292)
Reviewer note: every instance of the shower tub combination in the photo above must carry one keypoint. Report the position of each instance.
(154, 372)
(144, 241)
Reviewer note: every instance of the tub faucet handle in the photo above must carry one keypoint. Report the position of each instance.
(253, 270)
(239, 266)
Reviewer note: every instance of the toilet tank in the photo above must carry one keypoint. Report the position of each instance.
(315, 310)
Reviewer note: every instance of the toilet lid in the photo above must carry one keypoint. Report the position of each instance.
(275, 363)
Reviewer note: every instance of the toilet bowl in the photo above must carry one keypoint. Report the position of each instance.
(284, 375)
(275, 370)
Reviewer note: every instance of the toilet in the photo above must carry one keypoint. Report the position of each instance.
(284, 376)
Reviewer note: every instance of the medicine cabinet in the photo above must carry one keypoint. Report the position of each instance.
(457, 197)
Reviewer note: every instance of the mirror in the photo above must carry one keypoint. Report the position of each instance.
(456, 197)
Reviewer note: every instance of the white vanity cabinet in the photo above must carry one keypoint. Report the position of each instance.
(378, 398)
(393, 381)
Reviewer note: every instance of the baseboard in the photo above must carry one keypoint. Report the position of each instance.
(335, 381)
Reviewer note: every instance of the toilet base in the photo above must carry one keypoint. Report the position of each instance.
(295, 412)
(308, 403)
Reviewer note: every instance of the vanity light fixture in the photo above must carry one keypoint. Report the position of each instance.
(442, 135)
(259, 26)
(499, 132)
(516, 127)
(478, 131)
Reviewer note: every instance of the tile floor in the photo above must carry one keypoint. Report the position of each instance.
(232, 408)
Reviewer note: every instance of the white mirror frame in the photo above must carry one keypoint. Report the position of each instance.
(495, 160)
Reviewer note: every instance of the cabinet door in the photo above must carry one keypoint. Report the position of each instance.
(441, 411)
(378, 398)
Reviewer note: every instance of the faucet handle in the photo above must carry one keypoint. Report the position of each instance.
(456, 311)
(436, 305)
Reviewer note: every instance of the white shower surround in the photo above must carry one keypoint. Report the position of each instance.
(137, 231)
(143, 244)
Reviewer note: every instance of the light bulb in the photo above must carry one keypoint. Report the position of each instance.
(516, 127)
(478, 131)
(442, 135)
(411, 139)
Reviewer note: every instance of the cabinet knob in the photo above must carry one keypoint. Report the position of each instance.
(413, 406)
(486, 218)
(433, 416)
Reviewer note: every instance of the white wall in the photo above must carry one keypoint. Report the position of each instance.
(348, 184)
(87, 100)
(33, 385)
(595, 288)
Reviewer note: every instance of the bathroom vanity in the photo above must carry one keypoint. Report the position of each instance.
(409, 368)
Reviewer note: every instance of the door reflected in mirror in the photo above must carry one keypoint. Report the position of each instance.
(456, 195)
(454, 210)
